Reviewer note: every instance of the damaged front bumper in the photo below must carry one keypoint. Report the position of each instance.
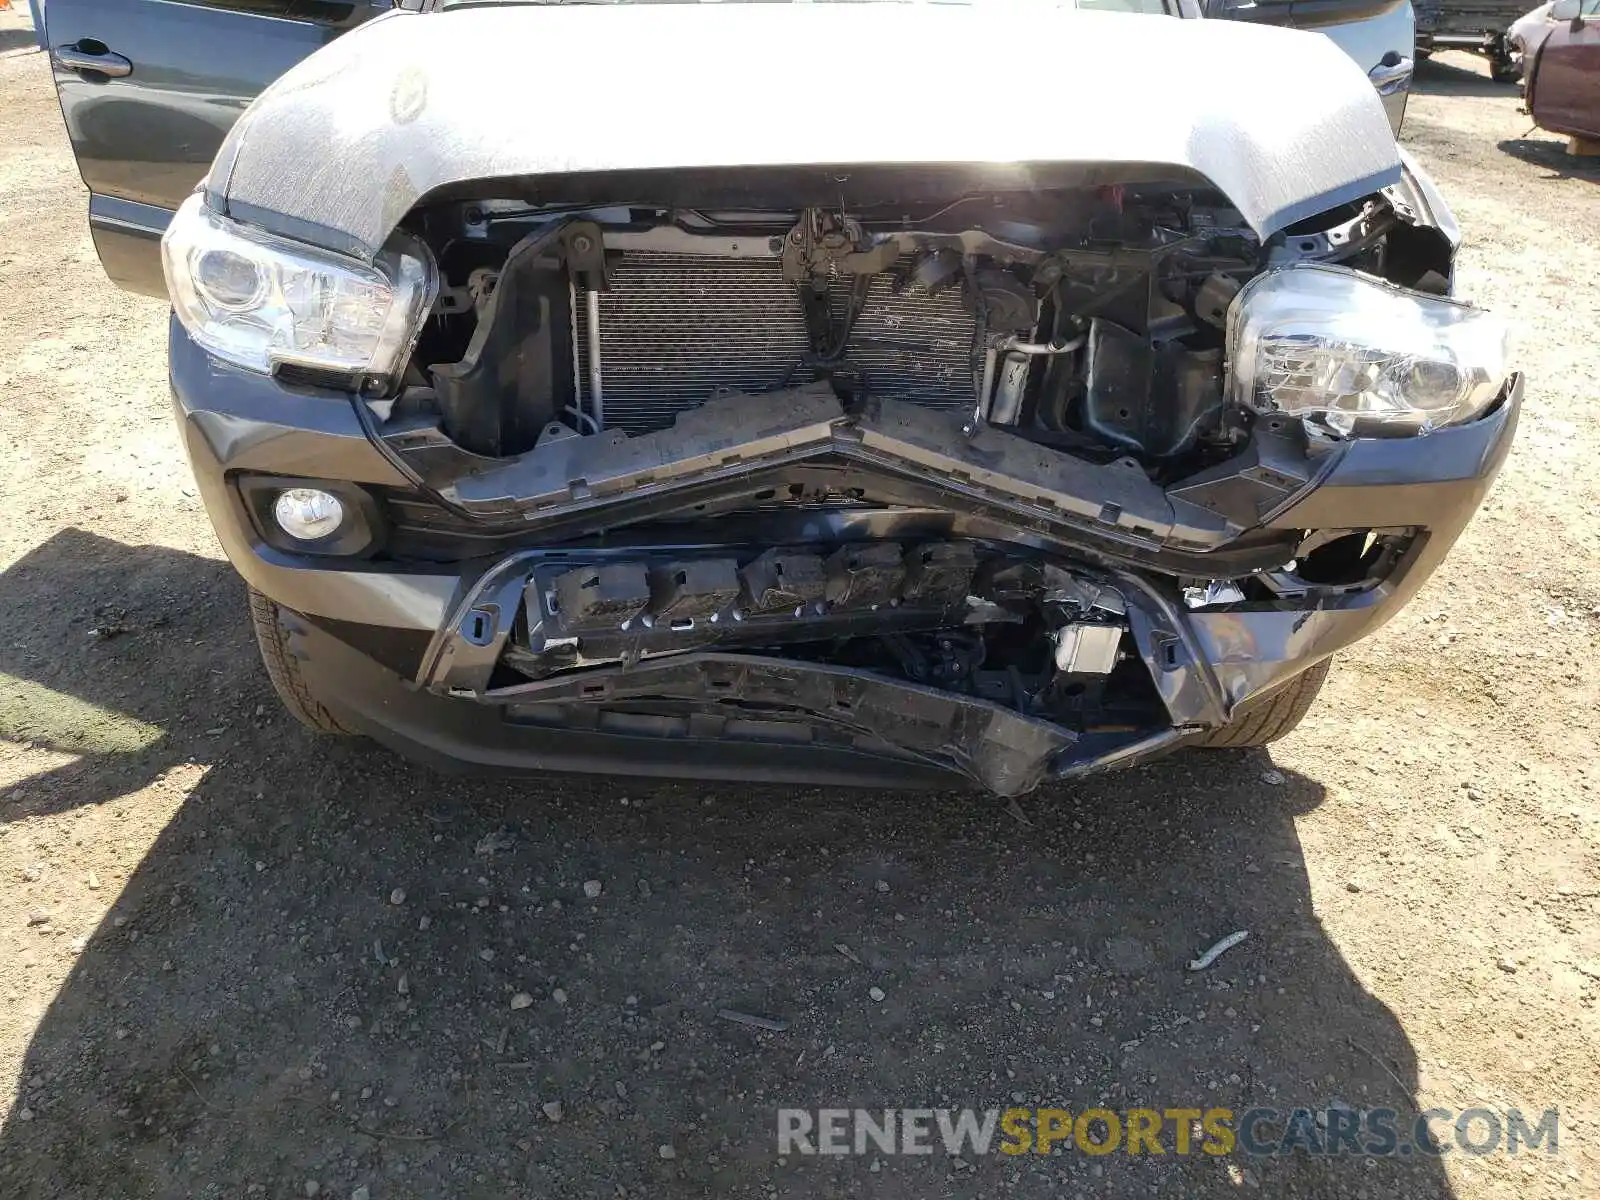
(680, 676)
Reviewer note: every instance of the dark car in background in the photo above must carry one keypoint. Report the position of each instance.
(1563, 85)
(913, 441)
(1481, 26)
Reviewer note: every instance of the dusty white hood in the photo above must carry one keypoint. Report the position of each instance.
(341, 147)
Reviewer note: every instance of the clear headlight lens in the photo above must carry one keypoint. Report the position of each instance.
(1356, 357)
(259, 300)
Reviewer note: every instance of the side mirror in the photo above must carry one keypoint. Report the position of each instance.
(1566, 10)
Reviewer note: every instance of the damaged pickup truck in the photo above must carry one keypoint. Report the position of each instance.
(717, 394)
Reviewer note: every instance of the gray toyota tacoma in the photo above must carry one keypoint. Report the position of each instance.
(774, 391)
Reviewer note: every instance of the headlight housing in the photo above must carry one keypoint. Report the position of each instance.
(1353, 356)
(258, 300)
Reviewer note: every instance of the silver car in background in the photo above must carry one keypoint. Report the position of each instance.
(1380, 35)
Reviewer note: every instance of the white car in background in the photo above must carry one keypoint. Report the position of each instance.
(1527, 34)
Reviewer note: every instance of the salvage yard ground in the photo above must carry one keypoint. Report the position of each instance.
(236, 961)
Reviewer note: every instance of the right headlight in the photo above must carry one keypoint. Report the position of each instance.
(258, 300)
(1356, 357)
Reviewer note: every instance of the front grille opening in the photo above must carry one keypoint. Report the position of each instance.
(676, 329)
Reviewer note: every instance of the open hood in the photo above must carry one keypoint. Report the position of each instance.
(340, 148)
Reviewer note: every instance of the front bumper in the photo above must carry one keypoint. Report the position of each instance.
(386, 645)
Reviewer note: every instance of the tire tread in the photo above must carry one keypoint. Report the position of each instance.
(284, 671)
(1271, 717)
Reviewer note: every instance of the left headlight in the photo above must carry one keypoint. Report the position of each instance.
(259, 300)
(1356, 357)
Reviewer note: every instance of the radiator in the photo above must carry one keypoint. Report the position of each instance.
(676, 328)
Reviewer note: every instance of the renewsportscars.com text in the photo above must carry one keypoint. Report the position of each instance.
(1258, 1132)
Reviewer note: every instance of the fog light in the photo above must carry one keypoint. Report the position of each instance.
(308, 514)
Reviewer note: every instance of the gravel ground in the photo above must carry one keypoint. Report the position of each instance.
(238, 961)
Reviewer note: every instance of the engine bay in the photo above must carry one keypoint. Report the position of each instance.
(1089, 320)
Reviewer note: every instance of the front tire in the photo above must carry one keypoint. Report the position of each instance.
(284, 670)
(1505, 70)
(1269, 717)
(1505, 64)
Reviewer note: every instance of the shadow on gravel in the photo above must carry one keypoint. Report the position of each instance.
(1435, 78)
(1552, 153)
(265, 1014)
(17, 39)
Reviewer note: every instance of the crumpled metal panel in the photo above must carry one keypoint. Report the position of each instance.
(1005, 751)
(341, 147)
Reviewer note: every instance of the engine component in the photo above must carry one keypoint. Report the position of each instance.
(1011, 378)
(950, 659)
(1009, 305)
(511, 380)
(597, 394)
(1212, 298)
(1213, 592)
(583, 246)
(1154, 398)
(823, 245)
(935, 271)
(1084, 649)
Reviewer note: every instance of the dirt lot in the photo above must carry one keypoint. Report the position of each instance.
(211, 986)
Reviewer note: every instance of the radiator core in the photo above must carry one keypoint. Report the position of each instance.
(676, 328)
